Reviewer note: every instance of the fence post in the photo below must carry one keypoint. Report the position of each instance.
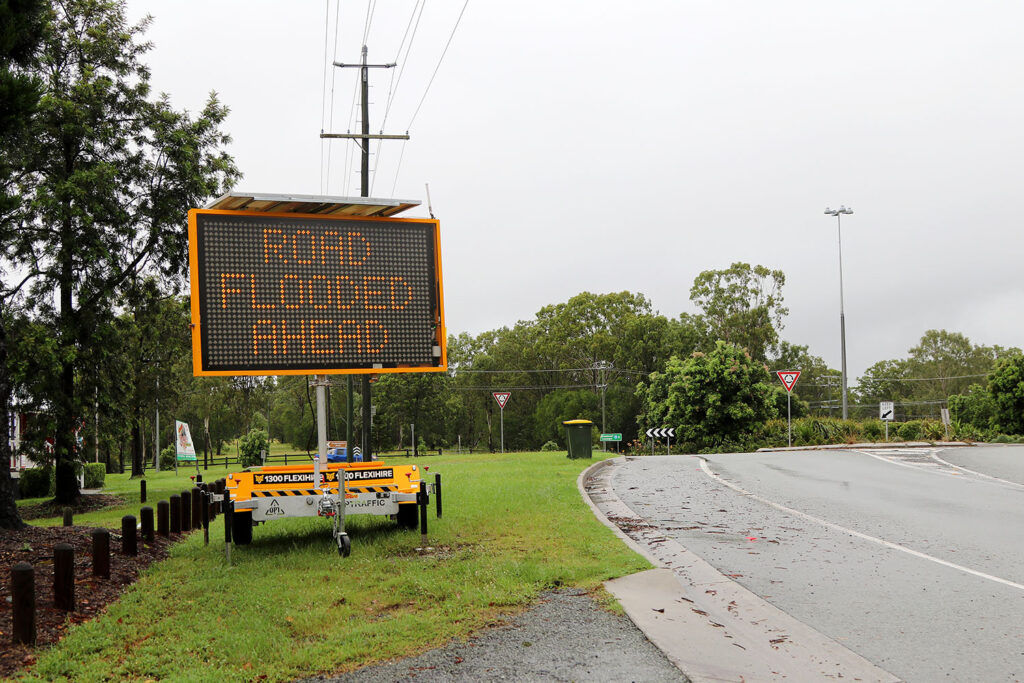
(186, 511)
(197, 503)
(64, 577)
(142, 491)
(129, 541)
(146, 518)
(423, 513)
(101, 553)
(69, 517)
(163, 526)
(175, 506)
(437, 493)
(206, 518)
(23, 603)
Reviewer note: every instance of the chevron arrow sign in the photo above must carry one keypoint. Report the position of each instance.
(661, 433)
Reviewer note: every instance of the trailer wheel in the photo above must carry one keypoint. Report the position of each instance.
(344, 545)
(407, 516)
(241, 527)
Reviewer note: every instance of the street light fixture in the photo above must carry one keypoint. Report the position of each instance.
(842, 315)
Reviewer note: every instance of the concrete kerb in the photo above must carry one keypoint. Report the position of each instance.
(709, 626)
(872, 445)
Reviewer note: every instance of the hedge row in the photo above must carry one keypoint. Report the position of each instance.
(38, 482)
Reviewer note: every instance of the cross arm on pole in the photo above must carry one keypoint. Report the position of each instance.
(368, 66)
(360, 136)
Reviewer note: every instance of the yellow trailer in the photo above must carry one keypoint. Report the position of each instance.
(261, 494)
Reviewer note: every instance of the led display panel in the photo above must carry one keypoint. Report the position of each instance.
(278, 294)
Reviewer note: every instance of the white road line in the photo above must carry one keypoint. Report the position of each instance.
(935, 456)
(831, 525)
(918, 466)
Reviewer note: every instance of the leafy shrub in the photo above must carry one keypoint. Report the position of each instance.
(933, 430)
(910, 431)
(872, 430)
(774, 434)
(36, 482)
(804, 433)
(1003, 438)
(976, 407)
(550, 446)
(963, 431)
(95, 475)
(250, 445)
(168, 456)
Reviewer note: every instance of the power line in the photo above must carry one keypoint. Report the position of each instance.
(393, 87)
(920, 379)
(323, 90)
(527, 388)
(461, 371)
(371, 6)
(443, 53)
(325, 183)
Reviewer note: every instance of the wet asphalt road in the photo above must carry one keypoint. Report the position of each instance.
(914, 559)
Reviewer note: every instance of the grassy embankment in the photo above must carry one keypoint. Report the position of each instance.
(289, 606)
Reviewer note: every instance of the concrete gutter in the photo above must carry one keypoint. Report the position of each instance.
(873, 445)
(708, 625)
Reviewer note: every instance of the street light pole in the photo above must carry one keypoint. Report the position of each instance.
(842, 314)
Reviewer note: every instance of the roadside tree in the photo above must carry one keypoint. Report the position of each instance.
(109, 176)
(713, 399)
(1006, 385)
(742, 305)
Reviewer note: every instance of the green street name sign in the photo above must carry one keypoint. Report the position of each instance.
(611, 437)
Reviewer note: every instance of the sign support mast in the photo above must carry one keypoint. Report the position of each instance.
(363, 140)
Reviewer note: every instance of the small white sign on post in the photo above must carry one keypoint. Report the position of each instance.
(502, 398)
(887, 414)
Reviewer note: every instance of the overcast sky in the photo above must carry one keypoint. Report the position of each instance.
(609, 146)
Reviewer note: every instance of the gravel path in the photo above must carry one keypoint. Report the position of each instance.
(566, 637)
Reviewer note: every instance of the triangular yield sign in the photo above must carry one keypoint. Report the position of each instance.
(789, 378)
(502, 398)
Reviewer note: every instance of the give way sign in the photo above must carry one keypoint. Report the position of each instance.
(502, 398)
(789, 378)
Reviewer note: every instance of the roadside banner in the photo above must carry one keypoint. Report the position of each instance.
(183, 447)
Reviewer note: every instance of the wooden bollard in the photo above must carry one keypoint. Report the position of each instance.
(146, 518)
(423, 501)
(186, 511)
(129, 539)
(142, 491)
(101, 553)
(64, 577)
(69, 517)
(23, 603)
(175, 510)
(437, 493)
(163, 519)
(206, 518)
(197, 504)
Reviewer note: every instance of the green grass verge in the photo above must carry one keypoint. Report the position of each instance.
(289, 606)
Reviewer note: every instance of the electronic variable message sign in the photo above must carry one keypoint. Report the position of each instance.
(280, 294)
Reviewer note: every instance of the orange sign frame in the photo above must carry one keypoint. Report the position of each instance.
(200, 369)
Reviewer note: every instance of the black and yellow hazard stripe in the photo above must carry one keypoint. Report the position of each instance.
(285, 492)
(370, 489)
